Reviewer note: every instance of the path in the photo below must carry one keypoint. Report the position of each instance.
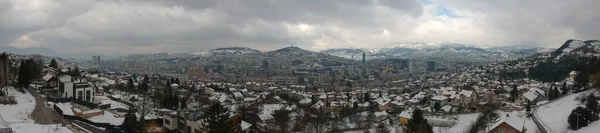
(42, 114)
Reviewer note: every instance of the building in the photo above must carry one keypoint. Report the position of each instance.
(195, 71)
(96, 60)
(79, 89)
(431, 66)
(508, 124)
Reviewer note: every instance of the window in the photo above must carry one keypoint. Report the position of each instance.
(512, 131)
(501, 130)
(80, 95)
(167, 122)
(88, 95)
(196, 131)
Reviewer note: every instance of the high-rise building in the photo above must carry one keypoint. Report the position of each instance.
(96, 60)
(431, 66)
(410, 67)
(364, 62)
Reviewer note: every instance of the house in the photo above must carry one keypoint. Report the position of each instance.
(78, 89)
(50, 83)
(440, 99)
(380, 116)
(466, 98)
(405, 116)
(383, 104)
(508, 124)
(532, 96)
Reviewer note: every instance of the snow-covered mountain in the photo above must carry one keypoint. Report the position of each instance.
(228, 51)
(577, 48)
(437, 51)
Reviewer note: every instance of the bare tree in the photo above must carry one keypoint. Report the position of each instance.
(144, 107)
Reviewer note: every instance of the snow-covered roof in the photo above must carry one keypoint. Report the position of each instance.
(318, 105)
(530, 95)
(405, 114)
(439, 98)
(305, 101)
(380, 113)
(512, 121)
(238, 95)
(382, 102)
(47, 77)
(467, 93)
(245, 125)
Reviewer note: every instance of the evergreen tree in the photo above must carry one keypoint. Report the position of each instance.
(592, 104)
(177, 81)
(582, 79)
(76, 72)
(366, 97)
(144, 86)
(528, 107)
(564, 89)
(513, 93)
(282, 117)
(130, 86)
(130, 123)
(552, 93)
(579, 118)
(418, 124)
(53, 64)
(216, 119)
(28, 71)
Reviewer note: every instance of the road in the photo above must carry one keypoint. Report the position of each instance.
(43, 114)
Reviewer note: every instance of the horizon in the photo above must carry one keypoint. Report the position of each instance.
(121, 27)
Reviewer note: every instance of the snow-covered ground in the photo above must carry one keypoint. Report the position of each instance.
(108, 117)
(462, 124)
(37, 128)
(19, 112)
(18, 116)
(554, 115)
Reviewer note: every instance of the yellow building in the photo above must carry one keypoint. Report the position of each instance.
(404, 117)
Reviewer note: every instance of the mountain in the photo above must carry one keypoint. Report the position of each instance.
(228, 51)
(30, 50)
(521, 49)
(453, 52)
(577, 48)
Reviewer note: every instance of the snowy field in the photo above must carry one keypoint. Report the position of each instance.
(463, 123)
(19, 112)
(554, 115)
(17, 116)
(37, 128)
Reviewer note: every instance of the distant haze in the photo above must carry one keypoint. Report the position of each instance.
(138, 26)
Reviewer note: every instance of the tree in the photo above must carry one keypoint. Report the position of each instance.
(144, 107)
(381, 128)
(437, 106)
(76, 72)
(130, 123)
(552, 93)
(53, 64)
(28, 71)
(301, 81)
(216, 119)
(579, 118)
(282, 117)
(130, 86)
(528, 107)
(582, 79)
(366, 97)
(596, 80)
(563, 89)
(144, 85)
(513, 93)
(418, 124)
(592, 105)
(5, 69)
(177, 81)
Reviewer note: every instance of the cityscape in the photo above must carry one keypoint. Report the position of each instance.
(374, 66)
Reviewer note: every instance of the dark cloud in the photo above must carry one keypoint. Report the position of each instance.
(195, 25)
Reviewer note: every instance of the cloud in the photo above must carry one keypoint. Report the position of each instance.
(195, 25)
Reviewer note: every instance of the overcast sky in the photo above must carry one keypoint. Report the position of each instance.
(142, 26)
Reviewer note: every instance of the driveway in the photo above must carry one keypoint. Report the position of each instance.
(43, 114)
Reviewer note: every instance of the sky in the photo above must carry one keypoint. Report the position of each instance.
(147, 26)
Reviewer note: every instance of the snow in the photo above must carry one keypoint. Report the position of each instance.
(17, 116)
(19, 112)
(245, 125)
(462, 124)
(66, 108)
(553, 115)
(107, 117)
(115, 104)
(37, 128)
